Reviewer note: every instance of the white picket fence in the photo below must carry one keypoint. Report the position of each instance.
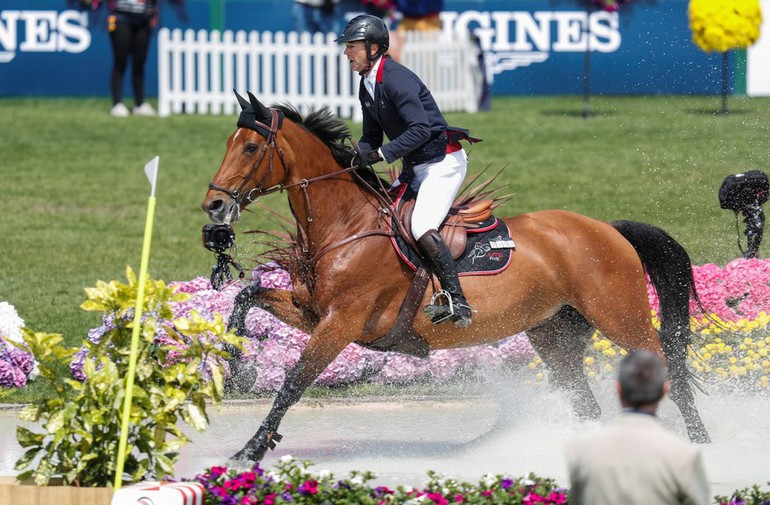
(197, 71)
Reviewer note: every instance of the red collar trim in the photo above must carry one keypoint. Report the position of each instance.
(379, 69)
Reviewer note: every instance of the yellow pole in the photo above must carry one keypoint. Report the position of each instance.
(151, 170)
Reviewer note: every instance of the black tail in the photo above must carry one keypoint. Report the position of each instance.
(670, 271)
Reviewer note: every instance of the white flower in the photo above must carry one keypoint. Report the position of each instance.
(357, 480)
(324, 474)
(489, 479)
(286, 459)
(528, 482)
(10, 322)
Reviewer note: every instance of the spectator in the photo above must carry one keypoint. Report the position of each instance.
(634, 460)
(130, 25)
(316, 16)
(380, 8)
(419, 15)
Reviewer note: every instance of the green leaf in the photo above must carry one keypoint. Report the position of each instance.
(196, 417)
(30, 413)
(27, 438)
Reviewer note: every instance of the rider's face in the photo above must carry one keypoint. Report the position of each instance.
(355, 52)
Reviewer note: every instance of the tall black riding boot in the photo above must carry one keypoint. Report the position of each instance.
(457, 309)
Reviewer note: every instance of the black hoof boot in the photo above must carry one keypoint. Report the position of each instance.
(255, 449)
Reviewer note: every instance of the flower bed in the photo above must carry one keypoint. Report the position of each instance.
(732, 349)
(292, 482)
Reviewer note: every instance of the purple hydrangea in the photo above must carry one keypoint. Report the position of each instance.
(16, 365)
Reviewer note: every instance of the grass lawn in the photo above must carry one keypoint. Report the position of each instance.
(75, 195)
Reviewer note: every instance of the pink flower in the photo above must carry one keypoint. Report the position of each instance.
(437, 498)
(557, 498)
(309, 487)
(216, 471)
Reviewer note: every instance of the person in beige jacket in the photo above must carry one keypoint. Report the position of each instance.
(635, 460)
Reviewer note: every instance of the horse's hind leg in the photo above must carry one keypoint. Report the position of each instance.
(561, 341)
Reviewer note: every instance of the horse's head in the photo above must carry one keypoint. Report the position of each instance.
(253, 163)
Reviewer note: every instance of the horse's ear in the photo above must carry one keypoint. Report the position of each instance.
(242, 101)
(260, 111)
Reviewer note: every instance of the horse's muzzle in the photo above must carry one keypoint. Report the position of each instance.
(221, 210)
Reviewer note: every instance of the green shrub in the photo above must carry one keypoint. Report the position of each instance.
(175, 376)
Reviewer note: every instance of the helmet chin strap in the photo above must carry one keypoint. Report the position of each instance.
(366, 69)
(369, 57)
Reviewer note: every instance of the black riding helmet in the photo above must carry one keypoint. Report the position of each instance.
(370, 29)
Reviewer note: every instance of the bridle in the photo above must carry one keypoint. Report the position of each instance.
(269, 145)
(269, 148)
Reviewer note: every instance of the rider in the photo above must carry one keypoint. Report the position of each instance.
(396, 103)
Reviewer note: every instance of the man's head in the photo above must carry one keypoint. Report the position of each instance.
(642, 380)
(366, 38)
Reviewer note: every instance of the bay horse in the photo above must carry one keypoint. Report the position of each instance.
(569, 274)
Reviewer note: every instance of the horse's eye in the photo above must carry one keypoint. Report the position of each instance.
(250, 148)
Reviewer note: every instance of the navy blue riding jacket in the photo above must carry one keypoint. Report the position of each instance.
(404, 110)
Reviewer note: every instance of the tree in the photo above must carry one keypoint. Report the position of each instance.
(724, 25)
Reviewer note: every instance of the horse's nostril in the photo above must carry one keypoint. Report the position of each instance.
(216, 204)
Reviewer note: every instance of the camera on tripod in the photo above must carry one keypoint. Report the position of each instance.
(218, 237)
(745, 193)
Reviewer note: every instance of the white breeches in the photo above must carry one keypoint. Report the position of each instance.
(437, 185)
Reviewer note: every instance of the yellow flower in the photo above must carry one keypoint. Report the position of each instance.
(719, 25)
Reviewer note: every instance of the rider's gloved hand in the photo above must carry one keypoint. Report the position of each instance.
(367, 157)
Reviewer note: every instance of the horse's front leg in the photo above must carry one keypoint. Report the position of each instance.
(324, 345)
(280, 302)
(283, 304)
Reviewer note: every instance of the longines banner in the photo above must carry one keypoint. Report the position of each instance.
(50, 47)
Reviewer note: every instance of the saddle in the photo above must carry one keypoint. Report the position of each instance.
(454, 228)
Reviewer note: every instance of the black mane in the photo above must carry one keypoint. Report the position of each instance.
(333, 132)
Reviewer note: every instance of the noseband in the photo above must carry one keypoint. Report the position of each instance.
(269, 144)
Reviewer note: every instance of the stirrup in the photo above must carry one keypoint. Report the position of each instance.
(458, 313)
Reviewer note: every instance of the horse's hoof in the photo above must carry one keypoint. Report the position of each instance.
(700, 437)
